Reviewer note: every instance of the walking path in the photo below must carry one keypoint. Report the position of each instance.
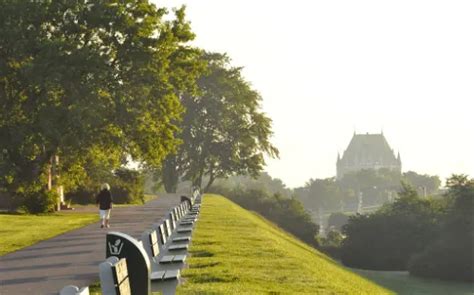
(73, 258)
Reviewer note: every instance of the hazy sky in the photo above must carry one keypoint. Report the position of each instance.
(327, 68)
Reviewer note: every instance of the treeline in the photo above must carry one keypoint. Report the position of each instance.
(288, 213)
(431, 237)
(375, 187)
(87, 87)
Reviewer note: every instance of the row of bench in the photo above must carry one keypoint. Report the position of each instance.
(154, 262)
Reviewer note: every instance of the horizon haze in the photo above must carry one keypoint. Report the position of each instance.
(328, 69)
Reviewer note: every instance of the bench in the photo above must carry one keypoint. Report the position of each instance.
(150, 243)
(114, 278)
(168, 233)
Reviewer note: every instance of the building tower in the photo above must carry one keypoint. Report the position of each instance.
(367, 151)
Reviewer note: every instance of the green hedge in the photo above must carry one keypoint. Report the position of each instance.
(288, 213)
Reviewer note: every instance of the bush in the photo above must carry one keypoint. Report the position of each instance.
(288, 213)
(447, 260)
(81, 195)
(387, 239)
(128, 187)
(331, 244)
(39, 201)
(451, 257)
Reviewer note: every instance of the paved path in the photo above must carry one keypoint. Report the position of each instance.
(73, 258)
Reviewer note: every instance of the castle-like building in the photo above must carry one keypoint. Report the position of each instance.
(367, 151)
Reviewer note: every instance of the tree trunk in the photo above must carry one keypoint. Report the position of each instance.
(169, 174)
(211, 181)
(197, 181)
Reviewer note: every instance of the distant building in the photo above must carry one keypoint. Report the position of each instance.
(367, 151)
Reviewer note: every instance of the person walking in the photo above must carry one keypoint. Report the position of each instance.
(104, 202)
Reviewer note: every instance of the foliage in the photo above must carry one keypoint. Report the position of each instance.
(81, 195)
(237, 252)
(288, 213)
(388, 238)
(419, 181)
(451, 255)
(376, 187)
(321, 193)
(263, 181)
(223, 130)
(86, 81)
(331, 244)
(127, 186)
(337, 220)
(26, 230)
(34, 202)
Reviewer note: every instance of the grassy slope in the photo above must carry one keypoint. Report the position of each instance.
(19, 231)
(235, 251)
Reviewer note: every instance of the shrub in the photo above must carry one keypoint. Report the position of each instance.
(451, 257)
(331, 244)
(288, 213)
(81, 195)
(39, 201)
(128, 186)
(388, 238)
(447, 260)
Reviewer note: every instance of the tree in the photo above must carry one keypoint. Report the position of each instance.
(86, 81)
(264, 182)
(451, 255)
(430, 184)
(388, 238)
(223, 130)
(323, 194)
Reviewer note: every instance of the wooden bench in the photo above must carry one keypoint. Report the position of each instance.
(114, 279)
(168, 233)
(151, 245)
(121, 280)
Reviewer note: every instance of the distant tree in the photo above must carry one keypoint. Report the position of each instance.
(374, 185)
(288, 213)
(263, 181)
(223, 130)
(451, 255)
(388, 238)
(337, 220)
(427, 182)
(321, 194)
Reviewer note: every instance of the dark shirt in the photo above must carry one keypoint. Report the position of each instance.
(104, 198)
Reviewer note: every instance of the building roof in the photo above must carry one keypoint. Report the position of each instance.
(372, 148)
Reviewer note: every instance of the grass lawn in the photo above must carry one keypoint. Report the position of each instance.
(402, 283)
(237, 252)
(18, 231)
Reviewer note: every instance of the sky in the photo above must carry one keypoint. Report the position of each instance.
(327, 69)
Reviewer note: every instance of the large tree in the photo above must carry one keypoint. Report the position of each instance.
(224, 132)
(86, 80)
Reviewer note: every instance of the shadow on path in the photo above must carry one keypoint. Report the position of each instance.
(73, 258)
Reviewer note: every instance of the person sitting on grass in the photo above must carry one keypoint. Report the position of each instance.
(104, 201)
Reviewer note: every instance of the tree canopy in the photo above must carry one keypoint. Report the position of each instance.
(91, 82)
(224, 132)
